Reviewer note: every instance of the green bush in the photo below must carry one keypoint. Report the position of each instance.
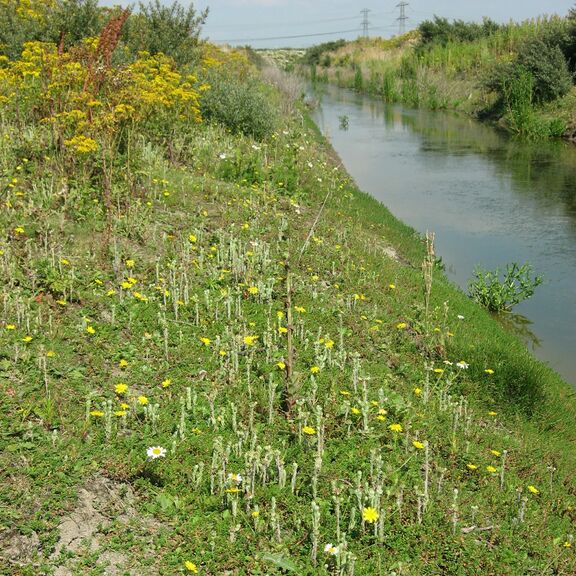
(548, 68)
(170, 29)
(502, 295)
(241, 106)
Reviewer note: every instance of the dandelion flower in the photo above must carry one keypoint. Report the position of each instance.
(50, 354)
(281, 365)
(121, 388)
(143, 401)
(395, 427)
(309, 431)
(165, 383)
(156, 452)
(300, 309)
(489, 371)
(471, 466)
(355, 411)
(401, 325)
(282, 330)
(123, 363)
(191, 567)
(120, 413)
(97, 413)
(253, 290)
(492, 413)
(27, 339)
(10, 327)
(205, 341)
(370, 515)
(495, 452)
(491, 469)
(130, 263)
(192, 238)
(439, 370)
(315, 369)
(417, 391)
(344, 393)
(90, 330)
(533, 490)
(392, 286)
(417, 445)
(250, 340)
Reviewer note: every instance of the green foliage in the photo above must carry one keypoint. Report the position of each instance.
(441, 31)
(243, 106)
(500, 295)
(549, 70)
(313, 55)
(170, 29)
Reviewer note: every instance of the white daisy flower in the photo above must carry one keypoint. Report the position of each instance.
(156, 452)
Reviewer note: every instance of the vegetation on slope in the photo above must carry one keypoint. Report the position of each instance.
(519, 74)
(217, 356)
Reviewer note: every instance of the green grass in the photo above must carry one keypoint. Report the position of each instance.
(207, 241)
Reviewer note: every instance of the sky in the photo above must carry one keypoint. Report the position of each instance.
(302, 23)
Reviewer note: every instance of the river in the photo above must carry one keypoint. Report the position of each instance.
(489, 198)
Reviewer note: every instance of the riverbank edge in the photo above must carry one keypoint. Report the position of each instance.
(555, 409)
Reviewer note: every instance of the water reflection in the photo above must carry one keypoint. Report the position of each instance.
(490, 199)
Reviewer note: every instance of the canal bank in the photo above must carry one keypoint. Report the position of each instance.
(490, 200)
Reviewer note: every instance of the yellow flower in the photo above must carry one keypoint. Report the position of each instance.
(64, 262)
(10, 327)
(439, 370)
(120, 413)
(255, 513)
(191, 567)
(90, 330)
(471, 466)
(121, 388)
(124, 406)
(533, 490)
(315, 369)
(300, 309)
(401, 325)
(166, 383)
(250, 340)
(50, 354)
(392, 286)
(205, 341)
(27, 339)
(192, 238)
(417, 445)
(344, 393)
(355, 410)
(97, 413)
(282, 329)
(309, 430)
(395, 427)
(491, 469)
(253, 290)
(19, 230)
(417, 391)
(123, 363)
(489, 371)
(142, 400)
(329, 343)
(495, 452)
(130, 263)
(370, 515)
(279, 314)
(492, 413)
(281, 365)
(381, 417)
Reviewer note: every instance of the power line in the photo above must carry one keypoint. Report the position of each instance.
(289, 37)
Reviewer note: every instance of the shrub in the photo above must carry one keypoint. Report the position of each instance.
(502, 295)
(172, 30)
(242, 106)
(548, 68)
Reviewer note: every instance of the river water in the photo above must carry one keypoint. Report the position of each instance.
(490, 199)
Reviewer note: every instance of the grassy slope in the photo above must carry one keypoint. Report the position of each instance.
(364, 358)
